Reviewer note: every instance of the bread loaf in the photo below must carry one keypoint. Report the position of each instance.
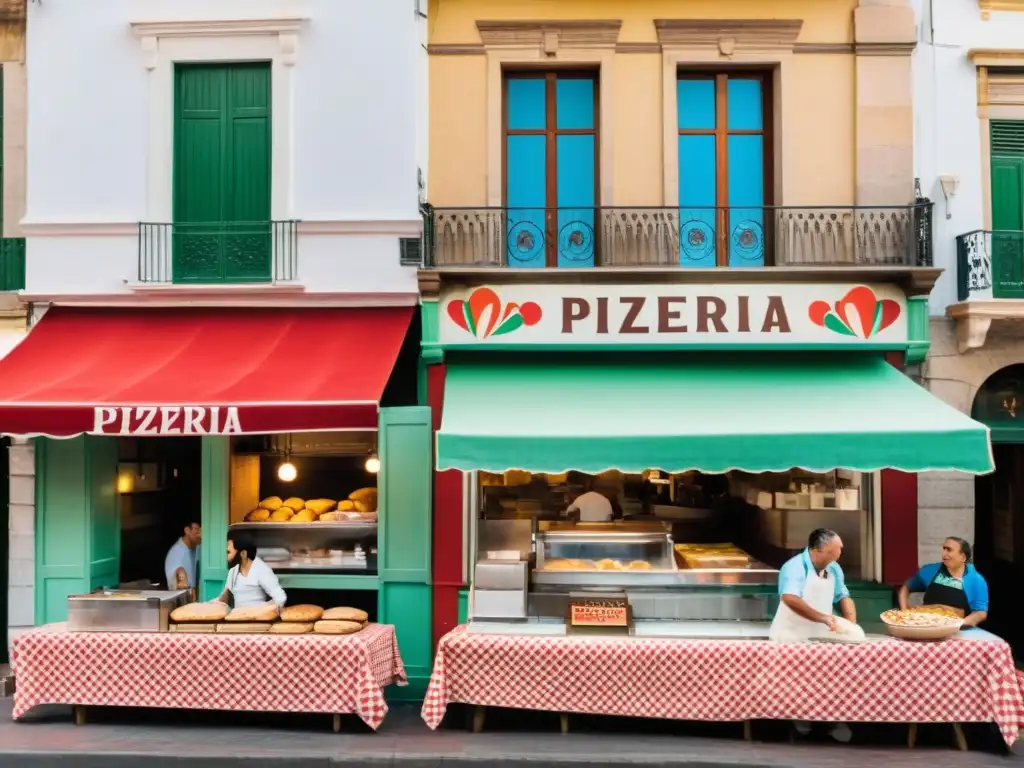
(291, 627)
(253, 613)
(344, 614)
(362, 506)
(365, 495)
(244, 627)
(258, 515)
(303, 516)
(319, 506)
(273, 503)
(346, 506)
(336, 627)
(201, 612)
(283, 515)
(302, 613)
(294, 503)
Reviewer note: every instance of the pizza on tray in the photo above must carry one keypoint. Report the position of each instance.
(922, 618)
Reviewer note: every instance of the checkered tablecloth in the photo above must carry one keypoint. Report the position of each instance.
(335, 674)
(890, 680)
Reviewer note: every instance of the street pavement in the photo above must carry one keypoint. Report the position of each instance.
(155, 739)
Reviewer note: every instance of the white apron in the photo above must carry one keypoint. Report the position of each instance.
(790, 627)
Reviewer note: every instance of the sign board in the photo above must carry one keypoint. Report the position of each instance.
(155, 420)
(825, 314)
(606, 615)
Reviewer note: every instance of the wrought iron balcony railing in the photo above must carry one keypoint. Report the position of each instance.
(681, 237)
(12, 264)
(990, 265)
(218, 252)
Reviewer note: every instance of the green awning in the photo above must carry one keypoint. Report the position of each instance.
(758, 413)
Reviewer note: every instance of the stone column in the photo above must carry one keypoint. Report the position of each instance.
(15, 112)
(884, 38)
(22, 559)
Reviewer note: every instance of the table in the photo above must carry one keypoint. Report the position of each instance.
(956, 681)
(335, 674)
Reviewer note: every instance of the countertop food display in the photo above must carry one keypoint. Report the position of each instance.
(711, 556)
(292, 620)
(933, 622)
(359, 506)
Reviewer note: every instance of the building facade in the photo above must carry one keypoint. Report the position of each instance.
(652, 142)
(969, 99)
(202, 158)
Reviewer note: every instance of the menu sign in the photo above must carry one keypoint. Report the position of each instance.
(601, 615)
(723, 314)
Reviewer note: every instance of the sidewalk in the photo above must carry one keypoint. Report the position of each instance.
(165, 740)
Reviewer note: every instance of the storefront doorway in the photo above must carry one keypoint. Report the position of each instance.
(999, 524)
(159, 488)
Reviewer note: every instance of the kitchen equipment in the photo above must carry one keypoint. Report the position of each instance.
(124, 610)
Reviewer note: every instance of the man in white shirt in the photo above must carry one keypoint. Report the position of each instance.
(593, 507)
(251, 582)
(180, 563)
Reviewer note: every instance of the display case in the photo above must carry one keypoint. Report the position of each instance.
(603, 554)
(124, 610)
(316, 547)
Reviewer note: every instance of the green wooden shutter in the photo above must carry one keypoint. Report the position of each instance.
(1007, 164)
(405, 490)
(222, 174)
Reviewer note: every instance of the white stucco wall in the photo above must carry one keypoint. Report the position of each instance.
(345, 134)
(948, 140)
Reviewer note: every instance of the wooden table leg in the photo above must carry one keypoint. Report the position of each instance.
(912, 736)
(478, 719)
(79, 715)
(961, 740)
(337, 723)
(748, 731)
(564, 718)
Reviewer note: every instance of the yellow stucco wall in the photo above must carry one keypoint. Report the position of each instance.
(815, 139)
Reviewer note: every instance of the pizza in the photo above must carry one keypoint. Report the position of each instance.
(919, 618)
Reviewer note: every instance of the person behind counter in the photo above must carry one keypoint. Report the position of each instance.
(954, 582)
(251, 582)
(180, 563)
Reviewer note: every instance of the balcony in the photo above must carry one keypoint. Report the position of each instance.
(990, 283)
(218, 253)
(12, 264)
(783, 236)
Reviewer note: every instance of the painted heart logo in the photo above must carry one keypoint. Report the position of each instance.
(859, 313)
(483, 314)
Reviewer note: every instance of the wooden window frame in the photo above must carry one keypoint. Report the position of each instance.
(721, 132)
(552, 132)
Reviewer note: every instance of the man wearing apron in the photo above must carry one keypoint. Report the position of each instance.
(810, 586)
(954, 583)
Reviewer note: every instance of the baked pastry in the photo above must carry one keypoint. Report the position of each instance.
(319, 506)
(639, 565)
(365, 495)
(559, 565)
(272, 503)
(337, 517)
(302, 613)
(608, 565)
(362, 506)
(258, 515)
(253, 613)
(303, 516)
(345, 614)
(201, 612)
(329, 627)
(294, 503)
(244, 627)
(291, 627)
(346, 506)
(283, 515)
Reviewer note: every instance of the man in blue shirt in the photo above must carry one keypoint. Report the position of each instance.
(182, 557)
(954, 582)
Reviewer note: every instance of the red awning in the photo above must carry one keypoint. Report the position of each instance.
(200, 371)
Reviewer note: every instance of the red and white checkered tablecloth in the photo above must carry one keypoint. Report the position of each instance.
(335, 674)
(727, 680)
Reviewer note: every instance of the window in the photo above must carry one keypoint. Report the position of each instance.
(551, 146)
(724, 168)
(1007, 164)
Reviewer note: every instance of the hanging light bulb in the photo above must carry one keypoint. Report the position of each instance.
(372, 464)
(286, 472)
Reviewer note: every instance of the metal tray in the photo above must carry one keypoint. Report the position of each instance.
(357, 527)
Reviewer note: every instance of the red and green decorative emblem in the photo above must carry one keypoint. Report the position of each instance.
(483, 315)
(859, 313)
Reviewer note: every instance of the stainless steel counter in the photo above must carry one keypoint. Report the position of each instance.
(756, 575)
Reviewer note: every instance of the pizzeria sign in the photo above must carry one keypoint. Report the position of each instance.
(825, 314)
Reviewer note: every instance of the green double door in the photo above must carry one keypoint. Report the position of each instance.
(1007, 247)
(222, 231)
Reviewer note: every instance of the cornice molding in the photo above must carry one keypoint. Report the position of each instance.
(996, 57)
(739, 35)
(987, 6)
(884, 49)
(549, 34)
(218, 27)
